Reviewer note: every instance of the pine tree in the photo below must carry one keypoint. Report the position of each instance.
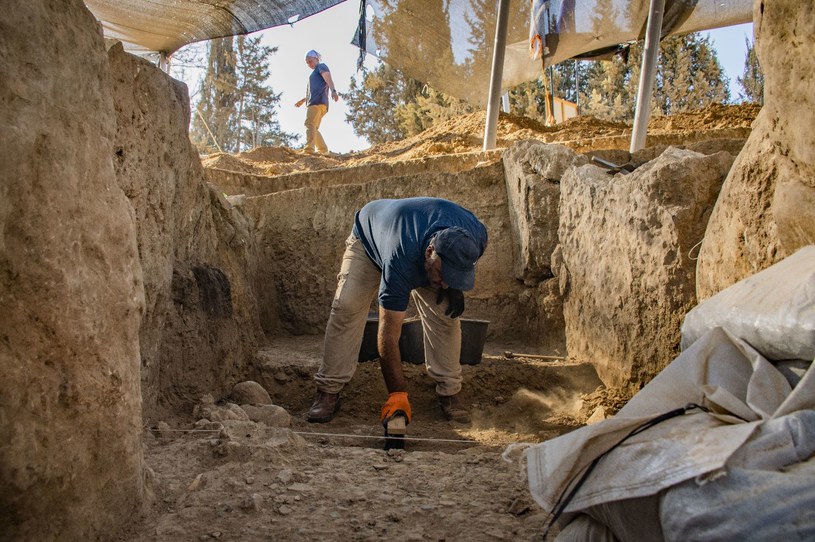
(237, 106)
(256, 122)
(372, 99)
(214, 126)
(689, 76)
(384, 105)
(752, 80)
(611, 91)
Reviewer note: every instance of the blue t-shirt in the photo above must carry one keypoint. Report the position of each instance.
(317, 87)
(396, 233)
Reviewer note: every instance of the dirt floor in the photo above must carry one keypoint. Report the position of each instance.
(239, 480)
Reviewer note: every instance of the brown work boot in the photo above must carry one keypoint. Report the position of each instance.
(454, 409)
(325, 406)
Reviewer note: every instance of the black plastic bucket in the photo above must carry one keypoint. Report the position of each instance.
(473, 337)
(411, 342)
(369, 349)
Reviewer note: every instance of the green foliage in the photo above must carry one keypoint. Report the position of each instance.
(372, 99)
(236, 110)
(752, 80)
(689, 76)
(384, 105)
(256, 123)
(213, 126)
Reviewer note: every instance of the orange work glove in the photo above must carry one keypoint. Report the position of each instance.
(397, 402)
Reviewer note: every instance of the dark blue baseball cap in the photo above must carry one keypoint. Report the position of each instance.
(459, 251)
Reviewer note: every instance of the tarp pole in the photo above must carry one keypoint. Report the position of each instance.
(496, 75)
(648, 73)
(164, 62)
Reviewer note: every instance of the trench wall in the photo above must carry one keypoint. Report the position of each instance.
(200, 325)
(767, 207)
(301, 233)
(71, 290)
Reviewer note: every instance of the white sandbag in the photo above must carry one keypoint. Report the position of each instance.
(773, 311)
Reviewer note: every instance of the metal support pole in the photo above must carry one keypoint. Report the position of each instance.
(164, 62)
(647, 74)
(497, 74)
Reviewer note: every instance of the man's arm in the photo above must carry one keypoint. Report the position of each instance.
(330, 82)
(390, 329)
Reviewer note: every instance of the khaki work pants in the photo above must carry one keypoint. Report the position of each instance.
(357, 284)
(314, 140)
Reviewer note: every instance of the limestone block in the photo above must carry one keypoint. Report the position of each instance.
(71, 465)
(766, 211)
(625, 244)
(532, 172)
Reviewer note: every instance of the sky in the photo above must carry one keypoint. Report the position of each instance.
(330, 33)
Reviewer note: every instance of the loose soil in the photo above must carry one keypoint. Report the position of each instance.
(464, 134)
(245, 481)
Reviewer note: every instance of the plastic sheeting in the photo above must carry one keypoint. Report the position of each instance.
(720, 475)
(446, 43)
(145, 26)
(449, 43)
(654, 485)
(773, 310)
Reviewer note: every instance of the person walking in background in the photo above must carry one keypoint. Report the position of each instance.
(320, 85)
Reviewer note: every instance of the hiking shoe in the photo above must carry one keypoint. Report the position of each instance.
(454, 409)
(325, 406)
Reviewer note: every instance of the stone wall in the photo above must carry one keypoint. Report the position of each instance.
(532, 172)
(767, 207)
(625, 272)
(201, 321)
(70, 285)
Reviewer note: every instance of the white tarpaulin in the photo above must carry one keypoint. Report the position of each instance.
(773, 310)
(758, 423)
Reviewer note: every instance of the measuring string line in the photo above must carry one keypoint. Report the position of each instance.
(345, 435)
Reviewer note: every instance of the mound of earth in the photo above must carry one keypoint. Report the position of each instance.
(465, 134)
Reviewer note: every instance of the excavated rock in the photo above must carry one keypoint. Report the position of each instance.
(269, 415)
(71, 291)
(532, 172)
(250, 393)
(626, 274)
(200, 325)
(767, 207)
(208, 410)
